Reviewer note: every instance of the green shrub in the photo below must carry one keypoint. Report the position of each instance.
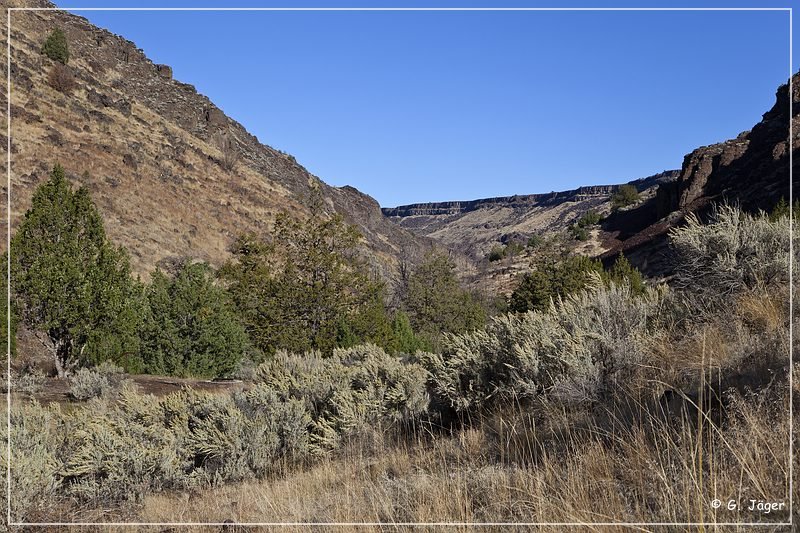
(782, 210)
(56, 47)
(552, 277)
(535, 241)
(5, 322)
(190, 327)
(404, 340)
(590, 218)
(622, 272)
(579, 233)
(436, 302)
(496, 254)
(624, 196)
(304, 287)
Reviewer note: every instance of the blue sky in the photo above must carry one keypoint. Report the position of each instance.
(430, 106)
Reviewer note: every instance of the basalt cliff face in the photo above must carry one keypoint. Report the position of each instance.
(752, 171)
(151, 150)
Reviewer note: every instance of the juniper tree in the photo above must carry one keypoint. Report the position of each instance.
(436, 303)
(190, 326)
(550, 278)
(56, 47)
(304, 287)
(624, 196)
(71, 284)
(8, 324)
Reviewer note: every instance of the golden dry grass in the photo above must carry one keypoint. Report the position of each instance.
(653, 471)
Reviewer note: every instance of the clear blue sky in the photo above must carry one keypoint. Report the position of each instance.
(429, 106)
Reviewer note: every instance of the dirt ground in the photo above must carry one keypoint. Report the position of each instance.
(31, 354)
(57, 390)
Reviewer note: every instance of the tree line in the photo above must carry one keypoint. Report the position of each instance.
(301, 288)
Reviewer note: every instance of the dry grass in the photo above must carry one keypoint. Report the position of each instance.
(653, 471)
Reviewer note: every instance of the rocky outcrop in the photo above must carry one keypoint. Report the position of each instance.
(515, 202)
(523, 201)
(751, 171)
(476, 226)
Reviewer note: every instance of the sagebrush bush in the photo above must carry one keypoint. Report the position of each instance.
(732, 252)
(29, 382)
(88, 383)
(353, 388)
(118, 450)
(35, 435)
(578, 348)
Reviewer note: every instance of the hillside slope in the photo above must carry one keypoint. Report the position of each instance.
(148, 148)
(478, 225)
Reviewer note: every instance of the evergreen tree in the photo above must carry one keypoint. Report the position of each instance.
(404, 340)
(781, 210)
(56, 47)
(552, 277)
(190, 327)
(436, 303)
(70, 283)
(7, 323)
(624, 196)
(623, 272)
(305, 288)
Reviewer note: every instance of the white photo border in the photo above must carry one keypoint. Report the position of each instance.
(394, 524)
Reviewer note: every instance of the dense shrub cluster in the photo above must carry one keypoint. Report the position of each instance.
(349, 391)
(103, 380)
(553, 277)
(304, 287)
(509, 249)
(301, 407)
(74, 289)
(576, 348)
(550, 278)
(190, 327)
(436, 303)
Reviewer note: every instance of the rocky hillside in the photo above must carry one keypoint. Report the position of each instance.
(751, 170)
(172, 175)
(476, 226)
